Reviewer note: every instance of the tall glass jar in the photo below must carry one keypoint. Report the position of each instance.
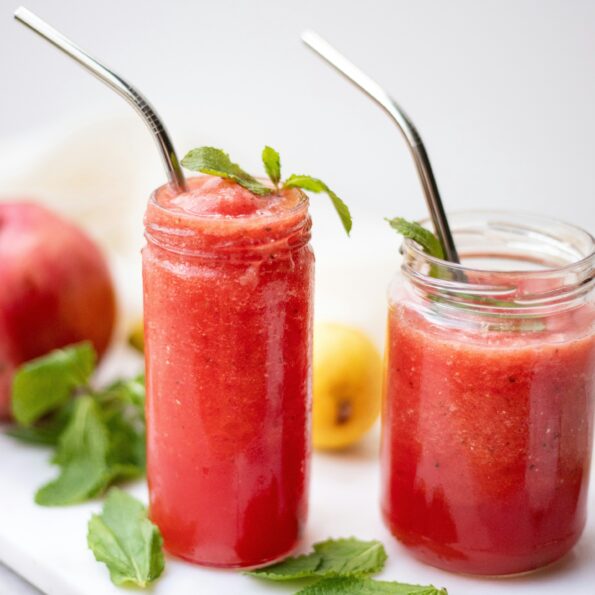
(228, 281)
(489, 391)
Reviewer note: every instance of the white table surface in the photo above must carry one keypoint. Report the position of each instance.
(490, 93)
(13, 584)
(48, 545)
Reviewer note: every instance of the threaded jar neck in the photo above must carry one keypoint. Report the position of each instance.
(255, 234)
(513, 266)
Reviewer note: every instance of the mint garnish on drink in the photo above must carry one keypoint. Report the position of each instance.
(215, 162)
(431, 246)
(420, 235)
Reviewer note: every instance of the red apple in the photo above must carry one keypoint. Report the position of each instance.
(55, 289)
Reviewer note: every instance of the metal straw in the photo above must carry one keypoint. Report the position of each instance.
(115, 82)
(390, 106)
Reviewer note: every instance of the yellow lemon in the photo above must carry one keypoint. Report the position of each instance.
(136, 336)
(347, 384)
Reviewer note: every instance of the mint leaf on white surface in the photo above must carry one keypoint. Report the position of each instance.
(126, 541)
(82, 456)
(315, 185)
(99, 435)
(422, 236)
(290, 569)
(215, 162)
(46, 383)
(344, 567)
(272, 164)
(350, 557)
(367, 586)
(333, 557)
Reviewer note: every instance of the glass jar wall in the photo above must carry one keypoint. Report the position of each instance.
(489, 391)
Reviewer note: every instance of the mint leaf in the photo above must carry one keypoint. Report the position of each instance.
(344, 566)
(46, 432)
(422, 236)
(334, 557)
(215, 162)
(350, 557)
(315, 185)
(367, 586)
(99, 437)
(126, 541)
(123, 411)
(126, 457)
(272, 164)
(290, 569)
(122, 393)
(82, 455)
(46, 383)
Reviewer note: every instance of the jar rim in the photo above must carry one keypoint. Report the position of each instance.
(239, 236)
(509, 237)
(212, 217)
(414, 247)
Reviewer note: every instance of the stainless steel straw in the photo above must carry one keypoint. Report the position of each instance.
(390, 106)
(115, 82)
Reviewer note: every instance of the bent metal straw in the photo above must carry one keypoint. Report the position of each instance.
(416, 146)
(115, 82)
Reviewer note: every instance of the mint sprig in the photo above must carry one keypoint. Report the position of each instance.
(414, 231)
(342, 567)
(215, 162)
(333, 557)
(82, 457)
(98, 435)
(126, 541)
(99, 438)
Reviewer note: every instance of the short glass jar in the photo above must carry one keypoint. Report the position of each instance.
(489, 392)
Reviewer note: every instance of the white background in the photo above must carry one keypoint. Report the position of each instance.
(503, 92)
